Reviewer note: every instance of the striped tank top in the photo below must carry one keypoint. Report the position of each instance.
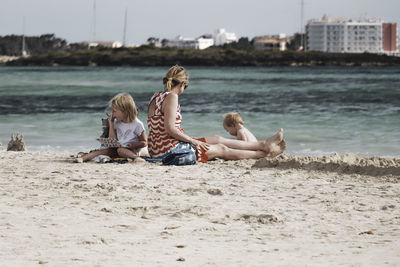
(159, 142)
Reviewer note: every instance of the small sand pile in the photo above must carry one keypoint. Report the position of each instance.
(340, 163)
(16, 143)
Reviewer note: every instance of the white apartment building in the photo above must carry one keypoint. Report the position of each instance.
(222, 37)
(342, 35)
(201, 42)
(204, 42)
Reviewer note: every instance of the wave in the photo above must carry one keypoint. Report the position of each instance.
(286, 101)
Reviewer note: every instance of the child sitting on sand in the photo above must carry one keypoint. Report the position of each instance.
(126, 128)
(233, 124)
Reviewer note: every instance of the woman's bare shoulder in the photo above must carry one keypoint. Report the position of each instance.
(171, 97)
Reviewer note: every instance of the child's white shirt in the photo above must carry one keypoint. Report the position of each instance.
(128, 132)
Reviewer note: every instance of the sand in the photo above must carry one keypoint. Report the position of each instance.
(341, 210)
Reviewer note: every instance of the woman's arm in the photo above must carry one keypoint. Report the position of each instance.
(169, 108)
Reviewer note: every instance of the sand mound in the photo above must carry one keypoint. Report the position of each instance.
(341, 163)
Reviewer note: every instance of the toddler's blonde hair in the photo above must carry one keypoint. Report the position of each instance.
(125, 103)
(232, 119)
(175, 75)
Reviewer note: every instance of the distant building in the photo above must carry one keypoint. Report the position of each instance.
(205, 41)
(389, 37)
(271, 42)
(222, 37)
(201, 42)
(351, 36)
(104, 44)
(219, 38)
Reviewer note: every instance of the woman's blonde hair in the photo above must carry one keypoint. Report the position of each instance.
(125, 103)
(175, 75)
(232, 119)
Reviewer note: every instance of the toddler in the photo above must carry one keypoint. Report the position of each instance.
(233, 124)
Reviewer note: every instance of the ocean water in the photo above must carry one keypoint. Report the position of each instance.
(322, 109)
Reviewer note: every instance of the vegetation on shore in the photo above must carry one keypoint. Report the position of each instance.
(214, 56)
(11, 45)
(48, 50)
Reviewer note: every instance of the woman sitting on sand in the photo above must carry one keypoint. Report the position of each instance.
(167, 138)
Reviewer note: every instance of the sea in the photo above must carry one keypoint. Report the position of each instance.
(323, 110)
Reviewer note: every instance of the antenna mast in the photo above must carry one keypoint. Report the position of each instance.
(301, 25)
(23, 52)
(94, 22)
(125, 23)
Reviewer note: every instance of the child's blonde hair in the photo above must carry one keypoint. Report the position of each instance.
(232, 119)
(125, 103)
(175, 75)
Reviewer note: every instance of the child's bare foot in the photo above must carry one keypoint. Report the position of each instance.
(138, 160)
(273, 140)
(78, 160)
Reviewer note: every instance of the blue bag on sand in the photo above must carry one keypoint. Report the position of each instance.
(182, 154)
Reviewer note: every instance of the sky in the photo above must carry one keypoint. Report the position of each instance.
(73, 20)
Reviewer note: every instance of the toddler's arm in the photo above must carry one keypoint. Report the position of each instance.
(245, 135)
(241, 135)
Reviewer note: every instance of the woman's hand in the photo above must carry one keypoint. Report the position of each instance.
(202, 145)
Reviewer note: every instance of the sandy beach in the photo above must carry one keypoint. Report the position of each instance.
(341, 210)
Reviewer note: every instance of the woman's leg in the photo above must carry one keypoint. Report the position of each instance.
(224, 152)
(266, 145)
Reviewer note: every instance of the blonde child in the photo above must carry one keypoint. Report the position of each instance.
(233, 124)
(126, 128)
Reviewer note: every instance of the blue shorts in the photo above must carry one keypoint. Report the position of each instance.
(182, 154)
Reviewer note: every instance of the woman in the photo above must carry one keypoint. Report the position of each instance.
(167, 137)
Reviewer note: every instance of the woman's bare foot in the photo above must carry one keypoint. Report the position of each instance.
(273, 141)
(276, 149)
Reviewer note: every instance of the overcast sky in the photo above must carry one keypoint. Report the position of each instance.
(73, 19)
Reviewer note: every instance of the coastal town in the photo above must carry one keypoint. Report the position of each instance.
(327, 35)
